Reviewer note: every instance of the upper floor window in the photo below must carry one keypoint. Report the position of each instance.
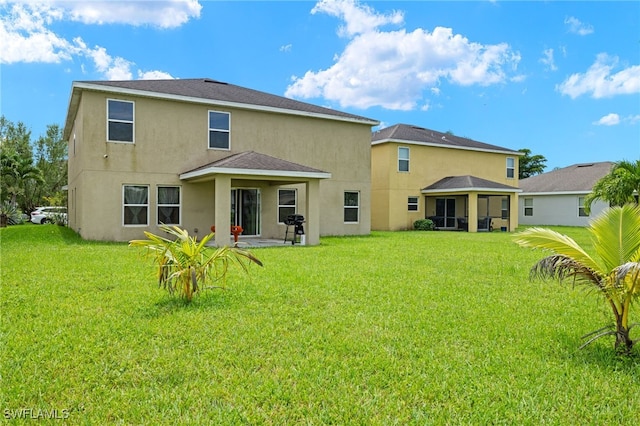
(412, 204)
(169, 205)
(135, 204)
(219, 129)
(511, 167)
(582, 211)
(403, 159)
(286, 203)
(351, 206)
(528, 206)
(120, 121)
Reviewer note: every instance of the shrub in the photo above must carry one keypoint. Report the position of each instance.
(184, 265)
(12, 212)
(424, 225)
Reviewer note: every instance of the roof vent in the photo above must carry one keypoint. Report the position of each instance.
(209, 80)
(584, 165)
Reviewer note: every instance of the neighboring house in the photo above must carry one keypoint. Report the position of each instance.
(199, 152)
(557, 197)
(457, 182)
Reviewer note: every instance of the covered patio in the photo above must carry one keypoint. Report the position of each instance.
(472, 204)
(255, 170)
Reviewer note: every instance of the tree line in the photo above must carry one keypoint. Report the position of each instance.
(34, 173)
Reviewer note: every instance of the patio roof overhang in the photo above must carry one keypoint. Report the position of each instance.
(466, 184)
(253, 165)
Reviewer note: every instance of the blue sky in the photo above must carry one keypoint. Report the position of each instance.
(561, 78)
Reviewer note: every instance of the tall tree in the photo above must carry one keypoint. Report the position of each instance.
(51, 159)
(619, 187)
(19, 175)
(530, 165)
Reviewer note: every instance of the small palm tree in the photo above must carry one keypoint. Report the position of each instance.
(614, 273)
(185, 264)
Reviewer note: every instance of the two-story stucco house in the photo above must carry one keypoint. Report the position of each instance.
(199, 152)
(558, 197)
(457, 182)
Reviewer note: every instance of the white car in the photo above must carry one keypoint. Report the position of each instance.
(42, 215)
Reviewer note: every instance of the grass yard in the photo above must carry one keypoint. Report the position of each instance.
(424, 328)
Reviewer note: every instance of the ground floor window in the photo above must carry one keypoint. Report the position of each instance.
(504, 209)
(286, 203)
(582, 211)
(528, 206)
(351, 206)
(412, 204)
(135, 204)
(168, 205)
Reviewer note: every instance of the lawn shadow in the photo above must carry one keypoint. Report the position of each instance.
(206, 300)
(600, 353)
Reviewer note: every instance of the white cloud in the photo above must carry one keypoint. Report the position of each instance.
(358, 18)
(26, 36)
(577, 27)
(547, 60)
(633, 119)
(163, 14)
(392, 69)
(600, 82)
(154, 75)
(608, 120)
(286, 48)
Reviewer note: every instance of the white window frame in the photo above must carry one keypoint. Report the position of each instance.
(288, 206)
(511, 168)
(147, 205)
(132, 121)
(402, 160)
(178, 204)
(582, 212)
(415, 204)
(356, 207)
(213, 129)
(525, 207)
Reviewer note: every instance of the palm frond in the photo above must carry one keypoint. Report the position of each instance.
(616, 235)
(557, 243)
(562, 268)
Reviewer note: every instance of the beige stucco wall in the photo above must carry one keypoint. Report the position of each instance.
(171, 137)
(427, 164)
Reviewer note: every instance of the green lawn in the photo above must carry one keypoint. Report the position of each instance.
(424, 328)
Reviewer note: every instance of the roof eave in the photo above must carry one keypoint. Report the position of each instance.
(212, 171)
(469, 189)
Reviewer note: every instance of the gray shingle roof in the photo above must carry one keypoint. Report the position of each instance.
(455, 183)
(575, 178)
(251, 160)
(420, 135)
(212, 90)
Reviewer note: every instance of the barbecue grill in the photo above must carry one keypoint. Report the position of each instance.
(295, 221)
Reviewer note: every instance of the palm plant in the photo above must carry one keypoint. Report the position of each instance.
(614, 273)
(185, 264)
(619, 186)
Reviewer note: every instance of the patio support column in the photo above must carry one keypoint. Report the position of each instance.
(473, 212)
(513, 211)
(223, 210)
(312, 206)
